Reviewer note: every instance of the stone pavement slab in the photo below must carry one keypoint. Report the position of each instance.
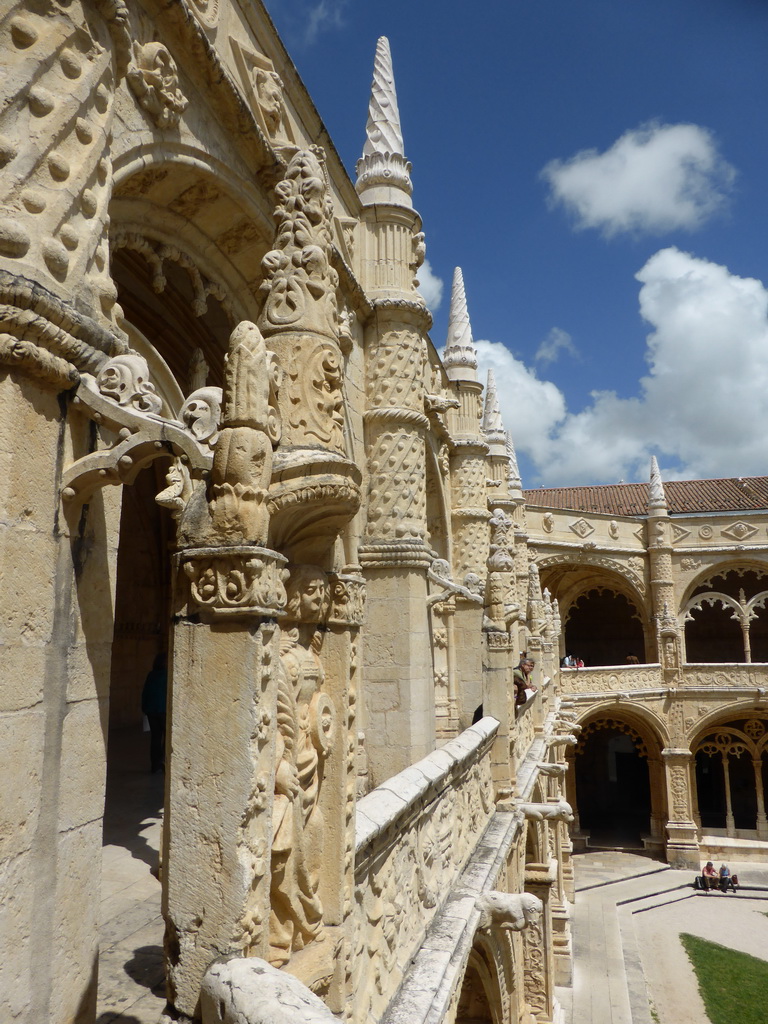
(131, 972)
(629, 964)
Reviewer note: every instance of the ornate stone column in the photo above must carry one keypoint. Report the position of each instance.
(395, 553)
(225, 668)
(469, 504)
(762, 821)
(682, 837)
(662, 583)
(61, 65)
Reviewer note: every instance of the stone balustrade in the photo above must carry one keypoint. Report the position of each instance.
(612, 678)
(414, 836)
(726, 675)
(624, 678)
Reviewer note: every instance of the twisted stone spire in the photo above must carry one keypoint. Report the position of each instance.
(460, 357)
(515, 484)
(493, 427)
(383, 173)
(656, 497)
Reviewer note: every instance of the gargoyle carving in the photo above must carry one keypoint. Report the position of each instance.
(511, 910)
(552, 769)
(440, 572)
(247, 990)
(560, 811)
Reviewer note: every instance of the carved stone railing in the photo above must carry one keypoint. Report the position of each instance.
(414, 836)
(726, 675)
(625, 678)
(611, 679)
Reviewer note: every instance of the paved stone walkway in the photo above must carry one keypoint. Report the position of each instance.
(629, 964)
(131, 980)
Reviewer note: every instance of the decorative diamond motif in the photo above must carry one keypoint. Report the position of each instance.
(678, 533)
(582, 528)
(739, 531)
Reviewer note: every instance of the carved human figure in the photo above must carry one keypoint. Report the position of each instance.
(269, 92)
(306, 723)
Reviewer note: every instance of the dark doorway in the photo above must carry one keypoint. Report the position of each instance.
(613, 789)
(603, 629)
(710, 788)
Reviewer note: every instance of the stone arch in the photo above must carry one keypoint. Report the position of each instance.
(730, 768)
(482, 997)
(724, 614)
(603, 607)
(616, 778)
(187, 237)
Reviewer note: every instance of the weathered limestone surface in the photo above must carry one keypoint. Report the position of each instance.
(327, 531)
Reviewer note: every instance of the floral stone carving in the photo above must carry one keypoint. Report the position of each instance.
(300, 313)
(232, 582)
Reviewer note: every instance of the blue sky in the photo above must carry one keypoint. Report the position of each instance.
(668, 99)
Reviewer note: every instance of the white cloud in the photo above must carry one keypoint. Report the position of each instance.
(653, 179)
(532, 409)
(702, 407)
(323, 15)
(556, 341)
(430, 286)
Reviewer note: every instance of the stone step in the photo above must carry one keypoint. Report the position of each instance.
(625, 878)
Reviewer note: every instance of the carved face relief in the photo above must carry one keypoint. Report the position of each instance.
(269, 91)
(201, 414)
(155, 83)
(125, 380)
(308, 594)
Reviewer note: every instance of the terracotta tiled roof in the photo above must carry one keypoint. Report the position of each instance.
(728, 495)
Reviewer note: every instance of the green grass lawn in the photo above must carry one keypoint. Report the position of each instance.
(733, 985)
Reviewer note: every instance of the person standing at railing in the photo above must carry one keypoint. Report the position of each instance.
(524, 688)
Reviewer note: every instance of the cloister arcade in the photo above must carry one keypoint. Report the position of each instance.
(617, 781)
(725, 617)
(731, 769)
(604, 615)
(607, 621)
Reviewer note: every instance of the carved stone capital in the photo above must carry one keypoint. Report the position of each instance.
(499, 640)
(347, 600)
(241, 581)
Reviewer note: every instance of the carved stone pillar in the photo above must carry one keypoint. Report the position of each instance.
(538, 949)
(400, 684)
(669, 651)
(762, 821)
(682, 838)
(55, 169)
(498, 701)
(299, 318)
(469, 527)
(61, 65)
